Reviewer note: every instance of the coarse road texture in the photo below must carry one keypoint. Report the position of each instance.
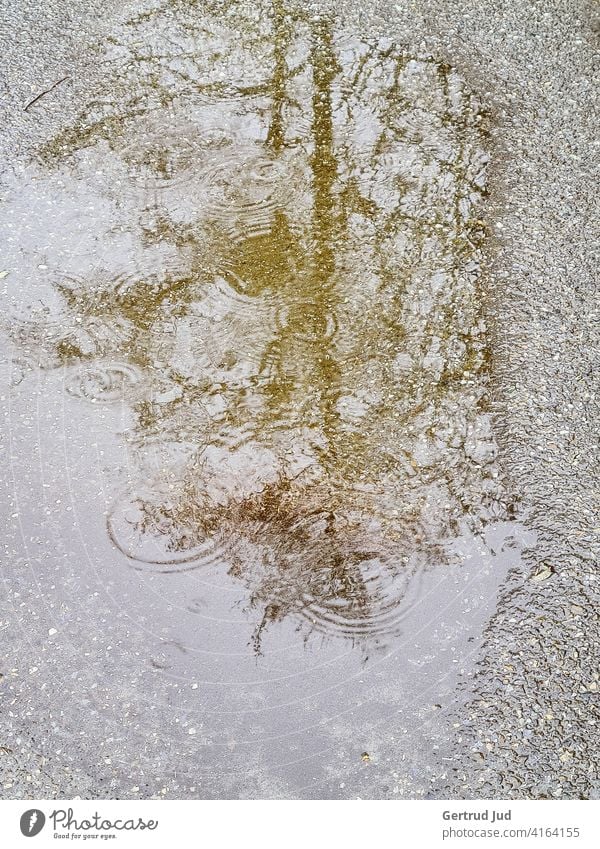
(527, 723)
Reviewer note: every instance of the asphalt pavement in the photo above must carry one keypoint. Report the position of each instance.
(523, 720)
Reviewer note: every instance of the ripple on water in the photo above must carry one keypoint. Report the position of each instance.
(165, 159)
(108, 382)
(363, 596)
(141, 526)
(230, 295)
(235, 328)
(334, 570)
(327, 214)
(307, 320)
(243, 189)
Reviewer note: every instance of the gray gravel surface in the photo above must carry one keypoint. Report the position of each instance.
(527, 724)
(531, 729)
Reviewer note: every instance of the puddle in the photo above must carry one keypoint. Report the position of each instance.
(244, 290)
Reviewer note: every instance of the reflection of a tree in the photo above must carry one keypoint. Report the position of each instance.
(314, 296)
(307, 541)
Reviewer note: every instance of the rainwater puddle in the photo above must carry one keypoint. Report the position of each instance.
(257, 483)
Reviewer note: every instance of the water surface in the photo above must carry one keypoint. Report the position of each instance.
(248, 371)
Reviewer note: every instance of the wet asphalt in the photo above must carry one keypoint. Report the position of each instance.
(524, 719)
